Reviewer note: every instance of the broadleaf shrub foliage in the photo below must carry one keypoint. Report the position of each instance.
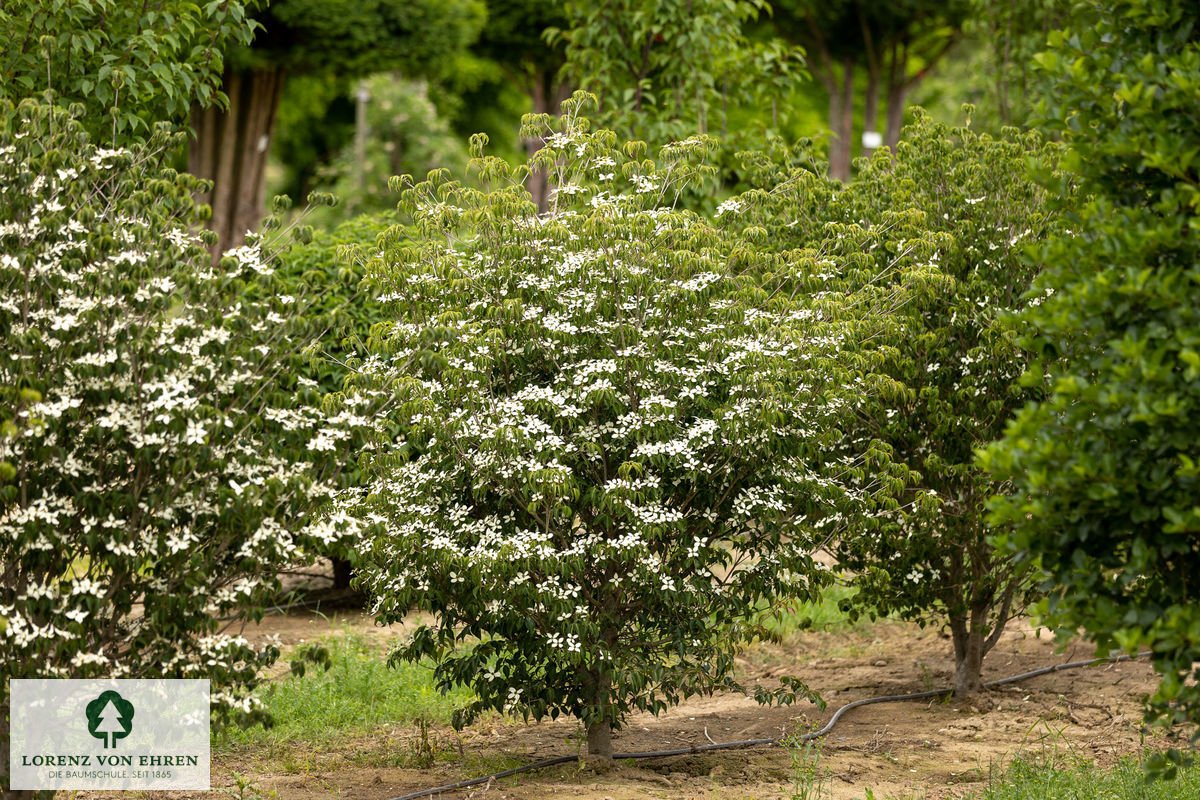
(954, 351)
(127, 64)
(1104, 471)
(159, 462)
(623, 428)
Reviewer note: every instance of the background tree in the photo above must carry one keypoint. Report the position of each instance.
(330, 287)
(404, 134)
(310, 36)
(897, 43)
(661, 69)
(514, 39)
(1104, 472)
(159, 461)
(127, 64)
(992, 65)
(622, 439)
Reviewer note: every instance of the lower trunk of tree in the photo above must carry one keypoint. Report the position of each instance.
(841, 120)
(547, 96)
(896, 97)
(231, 148)
(599, 738)
(5, 768)
(971, 644)
(871, 108)
(342, 573)
(598, 688)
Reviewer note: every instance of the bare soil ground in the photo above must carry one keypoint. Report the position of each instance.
(908, 750)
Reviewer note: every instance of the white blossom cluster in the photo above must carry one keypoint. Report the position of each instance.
(155, 469)
(610, 436)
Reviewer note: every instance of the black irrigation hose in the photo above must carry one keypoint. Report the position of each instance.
(892, 698)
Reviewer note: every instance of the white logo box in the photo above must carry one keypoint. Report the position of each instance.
(109, 734)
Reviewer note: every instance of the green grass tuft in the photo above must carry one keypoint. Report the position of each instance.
(1029, 780)
(357, 694)
(824, 615)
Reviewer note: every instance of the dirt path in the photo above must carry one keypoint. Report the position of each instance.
(930, 750)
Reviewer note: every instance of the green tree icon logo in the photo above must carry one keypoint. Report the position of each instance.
(110, 717)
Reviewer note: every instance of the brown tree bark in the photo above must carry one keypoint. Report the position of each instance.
(230, 149)
(843, 124)
(976, 633)
(896, 103)
(599, 735)
(874, 69)
(967, 633)
(547, 96)
(342, 573)
(598, 689)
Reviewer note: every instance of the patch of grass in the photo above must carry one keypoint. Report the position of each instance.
(358, 693)
(824, 615)
(1034, 780)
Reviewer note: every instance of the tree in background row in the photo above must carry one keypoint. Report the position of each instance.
(349, 37)
(514, 38)
(128, 64)
(897, 42)
(930, 559)
(1105, 472)
(665, 70)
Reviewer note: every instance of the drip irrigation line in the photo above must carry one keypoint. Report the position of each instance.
(837, 715)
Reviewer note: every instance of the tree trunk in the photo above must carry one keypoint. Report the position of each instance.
(7, 793)
(835, 120)
(870, 109)
(599, 735)
(342, 573)
(871, 99)
(231, 149)
(598, 688)
(547, 97)
(897, 92)
(969, 650)
(843, 131)
(897, 95)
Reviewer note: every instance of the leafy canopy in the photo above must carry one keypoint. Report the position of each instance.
(622, 427)
(129, 64)
(159, 461)
(953, 351)
(1104, 471)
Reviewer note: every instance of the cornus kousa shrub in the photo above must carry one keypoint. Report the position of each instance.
(620, 441)
(158, 463)
(313, 272)
(931, 559)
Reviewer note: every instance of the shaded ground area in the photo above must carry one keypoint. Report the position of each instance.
(939, 749)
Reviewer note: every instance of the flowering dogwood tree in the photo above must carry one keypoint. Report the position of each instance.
(158, 460)
(622, 430)
(932, 559)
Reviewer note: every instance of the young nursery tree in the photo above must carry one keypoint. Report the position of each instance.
(315, 273)
(129, 64)
(1104, 472)
(159, 462)
(663, 69)
(956, 354)
(622, 430)
(417, 37)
